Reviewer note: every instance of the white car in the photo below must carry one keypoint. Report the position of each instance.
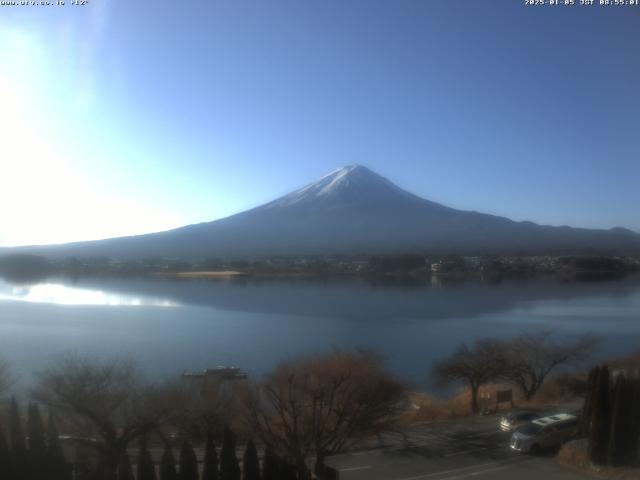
(513, 420)
(544, 433)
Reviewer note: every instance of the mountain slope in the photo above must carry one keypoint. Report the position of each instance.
(354, 210)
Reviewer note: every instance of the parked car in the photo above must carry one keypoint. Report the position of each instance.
(512, 420)
(546, 432)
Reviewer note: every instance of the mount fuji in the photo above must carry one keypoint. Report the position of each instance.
(353, 210)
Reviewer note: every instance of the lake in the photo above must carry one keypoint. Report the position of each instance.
(171, 326)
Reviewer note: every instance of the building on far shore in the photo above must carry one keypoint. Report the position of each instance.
(212, 379)
(217, 373)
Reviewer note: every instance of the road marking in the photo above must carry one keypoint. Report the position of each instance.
(366, 452)
(484, 434)
(455, 471)
(462, 452)
(434, 474)
(421, 435)
(353, 469)
(413, 438)
(480, 472)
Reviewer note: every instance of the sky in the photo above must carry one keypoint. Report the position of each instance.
(121, 118)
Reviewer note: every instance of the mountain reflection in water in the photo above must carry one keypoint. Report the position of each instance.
(257, 323)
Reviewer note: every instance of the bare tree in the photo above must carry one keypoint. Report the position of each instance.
(198, 409)
(105, 399)
(475, 366)
(530, 358)
(321, 405)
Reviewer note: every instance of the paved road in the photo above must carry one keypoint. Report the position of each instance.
(464, 450)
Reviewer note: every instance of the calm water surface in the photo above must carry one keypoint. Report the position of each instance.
(176, 325)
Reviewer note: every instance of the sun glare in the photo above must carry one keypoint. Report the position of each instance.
(49, 193)
(31, 167)
(60, 294)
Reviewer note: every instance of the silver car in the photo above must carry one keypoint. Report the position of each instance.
(544, 433)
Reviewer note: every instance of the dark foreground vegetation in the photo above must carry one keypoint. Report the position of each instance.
(104, 421)
(611, 416)
(608, 441)
(115, 423)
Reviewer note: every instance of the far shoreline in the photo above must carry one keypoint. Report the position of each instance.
(204, 274)
(230, 274)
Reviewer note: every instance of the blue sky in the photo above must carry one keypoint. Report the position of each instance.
(129, 117)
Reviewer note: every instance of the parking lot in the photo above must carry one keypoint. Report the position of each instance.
(472, 448)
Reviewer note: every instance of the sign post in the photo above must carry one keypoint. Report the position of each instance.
(503, 396)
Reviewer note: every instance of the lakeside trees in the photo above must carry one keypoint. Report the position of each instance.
(200, 408)
(107, 399)
(475, 366)
(320, 405)
(525, 360)
(532, 357)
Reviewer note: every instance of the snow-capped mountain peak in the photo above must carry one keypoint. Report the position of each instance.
(350, 182)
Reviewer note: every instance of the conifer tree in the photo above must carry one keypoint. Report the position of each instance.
(18, 443)
(285, 470)
(600, 419)
(145, 469)
(37, 453)
(19, 462)
(56, 463)
(619, 421)
(270, 467)
(585, 421)
(5, 459)
(168, 465)
(188, 462)
(250, 463)
(229, 468)
(633, 431)
(35, 428)
(210, 468)
(125, 472)
(83, 467)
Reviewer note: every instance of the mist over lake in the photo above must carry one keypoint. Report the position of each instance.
(171, 326)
